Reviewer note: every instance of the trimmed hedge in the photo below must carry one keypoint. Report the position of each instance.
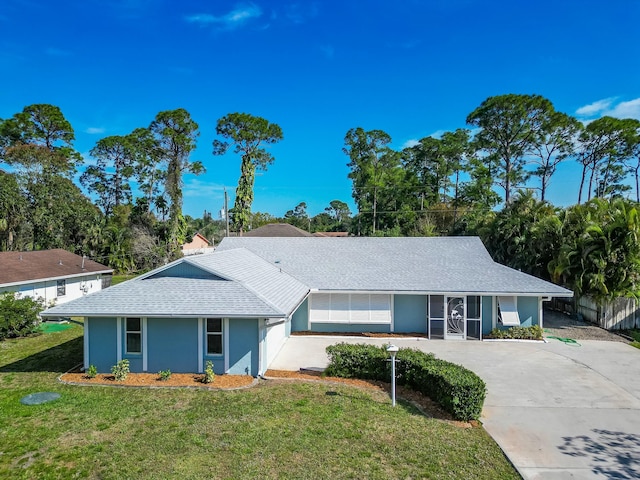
(458, 390)
(520, 333)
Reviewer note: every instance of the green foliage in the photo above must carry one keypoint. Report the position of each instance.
(164, 375)
(510, 126)
(19, 317)
(459, 391)
(248, 135)
(121, 370)
(209, 375)
(91, 372)
(521, 333)
(600, 251)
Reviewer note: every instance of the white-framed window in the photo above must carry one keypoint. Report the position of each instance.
(214, 336)
(133, 337)
(350, 308)
(62, 288)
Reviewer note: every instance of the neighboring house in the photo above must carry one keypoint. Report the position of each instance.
(277, 230)
(238, 305)
(198, 244)
(331, 234)
(56, 276)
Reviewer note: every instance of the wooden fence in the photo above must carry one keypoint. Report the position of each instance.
(618, 314)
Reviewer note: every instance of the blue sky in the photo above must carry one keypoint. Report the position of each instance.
(410, 68)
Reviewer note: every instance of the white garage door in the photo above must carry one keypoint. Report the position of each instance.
(349, 308)
(276, 336)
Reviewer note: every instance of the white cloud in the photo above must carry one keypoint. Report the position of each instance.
(233, 19)
(630, 109)
(94, 130)
(595, 107)
(410, 143)
(609, 107)
(197, 188)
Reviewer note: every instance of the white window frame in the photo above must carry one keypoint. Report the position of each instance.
(345, 315)
(127, 332)
(207, 333)
(61, 285)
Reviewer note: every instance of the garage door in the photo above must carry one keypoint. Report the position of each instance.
(349, 308)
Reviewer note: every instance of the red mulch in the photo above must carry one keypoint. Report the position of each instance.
(153, 380)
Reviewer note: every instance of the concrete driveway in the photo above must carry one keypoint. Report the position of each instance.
(557, 411)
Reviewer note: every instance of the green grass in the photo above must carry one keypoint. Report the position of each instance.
(276, 430)
(116, 279)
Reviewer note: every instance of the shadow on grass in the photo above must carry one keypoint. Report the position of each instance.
(55, 359)
(613, 454)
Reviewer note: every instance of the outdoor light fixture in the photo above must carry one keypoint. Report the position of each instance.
(392, 350)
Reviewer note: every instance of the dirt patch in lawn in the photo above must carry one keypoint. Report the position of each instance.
(423, 403)
(153, 380)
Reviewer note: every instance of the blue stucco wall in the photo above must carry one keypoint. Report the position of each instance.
(528, 311)
(487, 315)
(184, 270)
(103, 339)
(172, 343)
(410, 313)
(300, 318)
(243, 346)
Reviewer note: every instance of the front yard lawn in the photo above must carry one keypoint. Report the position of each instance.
(275, 430)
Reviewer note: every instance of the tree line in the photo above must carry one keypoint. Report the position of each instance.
(517, 142)
(130, 229)
(449, 185)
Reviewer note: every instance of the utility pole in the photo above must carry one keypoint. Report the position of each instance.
(226, 210)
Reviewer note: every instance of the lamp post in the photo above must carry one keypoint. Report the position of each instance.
(392, 350)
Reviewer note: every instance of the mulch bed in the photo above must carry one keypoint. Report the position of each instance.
(153, 380)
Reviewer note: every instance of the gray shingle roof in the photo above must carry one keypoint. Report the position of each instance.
(239, 283)
(170, 297)
(415, 264)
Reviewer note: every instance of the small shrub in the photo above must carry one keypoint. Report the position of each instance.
(91, 372)
(164, 375)
(209, 375)
(121, 370)
(520, 333)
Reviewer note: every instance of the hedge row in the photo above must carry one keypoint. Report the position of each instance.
(458, 390)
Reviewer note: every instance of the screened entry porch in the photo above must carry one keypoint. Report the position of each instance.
(455, 317)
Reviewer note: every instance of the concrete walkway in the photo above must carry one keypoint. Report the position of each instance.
(557, 411)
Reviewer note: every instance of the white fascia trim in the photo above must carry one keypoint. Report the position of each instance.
(457, 294)
(152, 315)
(49, 279)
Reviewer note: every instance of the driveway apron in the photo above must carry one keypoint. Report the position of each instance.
(557, 411)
